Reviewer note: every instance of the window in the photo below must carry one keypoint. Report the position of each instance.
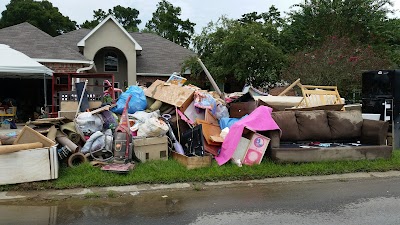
(110, 62)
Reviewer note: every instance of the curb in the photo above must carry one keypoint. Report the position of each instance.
(134, 190)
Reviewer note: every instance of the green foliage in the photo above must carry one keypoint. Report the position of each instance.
(338, 62)
(246, 50)
(41, 14)
(167, 24)
(126, 16)
(362, 20)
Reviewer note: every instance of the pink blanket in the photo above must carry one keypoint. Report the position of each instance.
(259, 120)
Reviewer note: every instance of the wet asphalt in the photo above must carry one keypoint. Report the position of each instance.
(370, 200)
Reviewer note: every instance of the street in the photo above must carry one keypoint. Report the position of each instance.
(366, 201)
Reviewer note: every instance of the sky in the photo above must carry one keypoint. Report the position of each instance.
(200, 12)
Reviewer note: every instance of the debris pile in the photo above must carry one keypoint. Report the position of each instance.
(167, 120)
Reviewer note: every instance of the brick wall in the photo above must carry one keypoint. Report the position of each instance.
(64, 67)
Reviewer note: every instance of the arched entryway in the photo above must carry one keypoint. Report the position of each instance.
(112, 60)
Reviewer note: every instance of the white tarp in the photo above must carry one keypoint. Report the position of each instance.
(15, 64)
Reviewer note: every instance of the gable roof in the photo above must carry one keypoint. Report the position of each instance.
(37, 44)
(159, 55)
(81, 43)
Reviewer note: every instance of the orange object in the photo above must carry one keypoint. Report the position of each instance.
(210, 130)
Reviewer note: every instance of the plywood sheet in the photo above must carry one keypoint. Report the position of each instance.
(73, 105)
(29, 135)
(180, 97)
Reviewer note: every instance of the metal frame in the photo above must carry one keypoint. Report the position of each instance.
(56, 88)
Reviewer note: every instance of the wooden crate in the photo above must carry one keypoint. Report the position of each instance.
(29, 165)
(192, 162)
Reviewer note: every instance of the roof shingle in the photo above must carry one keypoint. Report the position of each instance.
(35, 43)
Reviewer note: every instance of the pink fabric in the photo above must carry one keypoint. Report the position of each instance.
(259, 120)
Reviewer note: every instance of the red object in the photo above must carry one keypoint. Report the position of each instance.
(123, 126)
(63, 82)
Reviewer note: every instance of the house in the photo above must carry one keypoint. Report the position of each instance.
(108, 48)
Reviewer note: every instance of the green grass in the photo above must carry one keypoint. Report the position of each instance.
(166, 172)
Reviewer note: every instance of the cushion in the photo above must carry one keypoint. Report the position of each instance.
(345, 125)
(286, 120)
(313, 125)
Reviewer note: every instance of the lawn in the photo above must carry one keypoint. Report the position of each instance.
(165, 172)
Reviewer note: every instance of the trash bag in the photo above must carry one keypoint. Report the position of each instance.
(222, 112)
(137, 103)
(88, 123)
(152, 127)
(95, 142)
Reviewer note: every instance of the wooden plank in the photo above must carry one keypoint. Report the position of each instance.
(25, 166)
(29, 135)
(73, 105)
(289, 88)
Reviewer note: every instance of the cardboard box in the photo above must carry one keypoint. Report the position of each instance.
(172, 94)
(29, 165)
(153, 148)
(251, 148)
(192, 162)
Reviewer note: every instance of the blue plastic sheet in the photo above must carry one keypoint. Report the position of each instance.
(228, 122)
(137, 103)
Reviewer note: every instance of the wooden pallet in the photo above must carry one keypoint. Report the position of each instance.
(314, 96)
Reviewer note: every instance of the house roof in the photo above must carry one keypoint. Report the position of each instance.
(159, 55)
(81, 43)
(37, 44)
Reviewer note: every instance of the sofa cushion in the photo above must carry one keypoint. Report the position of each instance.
(286, 120)
(313, 125)
(345, 125)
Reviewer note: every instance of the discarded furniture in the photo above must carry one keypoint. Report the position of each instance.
(320, 135)
(29, 165)
(152, 148)
(314, 96)
(279, 103)
(193, 162)
(65, 82)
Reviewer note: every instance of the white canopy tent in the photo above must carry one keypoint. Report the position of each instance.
(15, 64)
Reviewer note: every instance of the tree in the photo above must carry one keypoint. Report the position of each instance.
(315, 20)
(167, 24)
(127, 17)
(41, 14)
(338, 62)
(244, 51)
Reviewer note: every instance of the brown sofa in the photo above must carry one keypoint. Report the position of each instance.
(319, 135)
